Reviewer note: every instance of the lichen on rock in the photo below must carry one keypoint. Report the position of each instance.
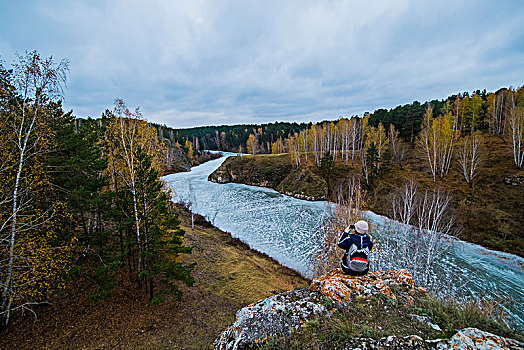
(342, 288)
(271, 317)
(473, 338)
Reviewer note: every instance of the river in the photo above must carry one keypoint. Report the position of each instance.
(283, 227)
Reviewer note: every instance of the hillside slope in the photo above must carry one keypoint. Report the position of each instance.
(227, 276)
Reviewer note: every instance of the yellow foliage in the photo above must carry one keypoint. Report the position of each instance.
(252, 145)
(189, 146)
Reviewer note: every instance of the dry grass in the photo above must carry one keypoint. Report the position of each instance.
(228, 276)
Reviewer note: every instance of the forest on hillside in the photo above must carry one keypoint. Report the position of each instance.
(81, 196)
(494, 112)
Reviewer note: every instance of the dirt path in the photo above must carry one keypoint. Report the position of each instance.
(228, 276)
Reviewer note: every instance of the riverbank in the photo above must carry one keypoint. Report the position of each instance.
(490, 213)
(228, 276)
(178, 159)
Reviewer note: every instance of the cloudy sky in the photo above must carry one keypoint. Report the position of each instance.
(192, 63)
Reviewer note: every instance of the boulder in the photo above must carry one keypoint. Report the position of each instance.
(473, 338)
(271, 317)
(465, 339)
(279, 314)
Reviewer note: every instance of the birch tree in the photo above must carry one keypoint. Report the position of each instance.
(437, 139)
(294, 149)
(303, 143)
(405, 202)
(398, 148)
(135, 157)
(469, 157)
(427, 233)
(30, 259)
(252, 145)
(499, 106)
(356, 137)
(128, 135)
(315, 142)
(278, 146)
(516, 126)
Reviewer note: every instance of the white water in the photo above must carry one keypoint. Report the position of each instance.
(283, 227)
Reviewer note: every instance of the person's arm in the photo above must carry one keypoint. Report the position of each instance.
(345, 241)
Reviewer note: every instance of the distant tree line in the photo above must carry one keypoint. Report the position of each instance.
(234, 138)
(383, 135)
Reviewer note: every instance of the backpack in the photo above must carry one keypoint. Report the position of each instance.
(357, 259)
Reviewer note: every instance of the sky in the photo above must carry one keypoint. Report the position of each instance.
(195, 63)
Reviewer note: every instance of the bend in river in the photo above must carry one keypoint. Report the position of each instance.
(283, 227)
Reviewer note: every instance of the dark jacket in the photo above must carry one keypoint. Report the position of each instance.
(348, 239)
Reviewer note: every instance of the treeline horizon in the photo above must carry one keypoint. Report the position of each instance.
(469, 107)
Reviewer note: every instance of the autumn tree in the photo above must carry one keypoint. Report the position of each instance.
(294, 149)
(377, 137)
(469, 157)
(356, 137)
(252, 145)
(278, 146)
(315, 142)
(134, 160)
(33, 252)
(135, 156)
(516, 127)
(303, 143)
(398, 148)
(189, 147)
(437, 139)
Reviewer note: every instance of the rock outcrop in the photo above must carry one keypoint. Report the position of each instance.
(177, 160)
(271, 317)
(278, 315)
(341, 288)
(465, 339)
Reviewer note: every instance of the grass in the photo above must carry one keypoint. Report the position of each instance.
(228, 276)
(379, 317)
